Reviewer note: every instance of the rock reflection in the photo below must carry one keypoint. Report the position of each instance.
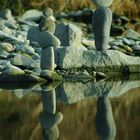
(49, 118)
(105, 125)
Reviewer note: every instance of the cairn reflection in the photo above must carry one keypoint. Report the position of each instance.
(49, 118)
(105, 125)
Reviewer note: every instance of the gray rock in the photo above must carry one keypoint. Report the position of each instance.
(106, 61)
(24, 60)
(49, 101)
(50, 75)
(47, 59)
(46, 24)
(49, 121)
(68, 34)
(126, 41)
(3, 54)
(102, 3)
(136, 48)
(132, 34)
(7, 14)
(6, 47)
(32, 15)
(44, 39)
(101, 22)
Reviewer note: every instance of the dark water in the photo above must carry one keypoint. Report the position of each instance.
(103, 110)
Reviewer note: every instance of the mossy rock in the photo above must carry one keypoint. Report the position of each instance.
(50, 75)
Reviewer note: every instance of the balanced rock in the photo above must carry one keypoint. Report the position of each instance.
(101, 23)
(44, 39)
(102, 3)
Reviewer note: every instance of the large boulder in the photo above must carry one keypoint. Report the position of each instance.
(105, 61)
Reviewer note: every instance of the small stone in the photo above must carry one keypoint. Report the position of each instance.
(7, 14)
(102, 3)
(126, 41)
(136, 48)
(47, 59)
(117, 30)
(132, 34)
(49, 121)
(101, 75)
(101, 22)
(24, 60)
(6, 47)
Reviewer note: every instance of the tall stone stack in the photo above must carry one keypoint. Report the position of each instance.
(47, 24)
(101, 23)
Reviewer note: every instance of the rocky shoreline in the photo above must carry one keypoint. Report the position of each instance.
(76, 56)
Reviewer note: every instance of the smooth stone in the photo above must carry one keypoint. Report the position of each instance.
(24, 60)
(88, 43)
(32, 15)
(7, 14)
(44, 39)
(11, 25)
(126, 41)
(35, 64)
(102, 3)
(49, 101)
(101, 23)
(47, 12)
(49, 121)
(47, 61)
(50, 75)
(132, 34)
(47, 24)
(6, 47)
(136, 48)
(3, 54)
(116, 43)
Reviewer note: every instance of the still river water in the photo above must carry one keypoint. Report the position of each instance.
(103, 110)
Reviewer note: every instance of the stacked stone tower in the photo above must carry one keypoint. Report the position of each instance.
(101, 23)
(47, 24)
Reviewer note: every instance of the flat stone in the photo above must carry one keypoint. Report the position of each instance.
(24, 60)
(104, 61)
(132, 34)
(102, 3)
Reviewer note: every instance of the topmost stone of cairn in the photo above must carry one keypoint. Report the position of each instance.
(102, 3)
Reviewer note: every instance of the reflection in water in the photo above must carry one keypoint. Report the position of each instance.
(105, 124)
(23, 119)
(49, 118)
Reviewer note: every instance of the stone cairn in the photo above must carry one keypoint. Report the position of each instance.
(47, 24)
(101, 23)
